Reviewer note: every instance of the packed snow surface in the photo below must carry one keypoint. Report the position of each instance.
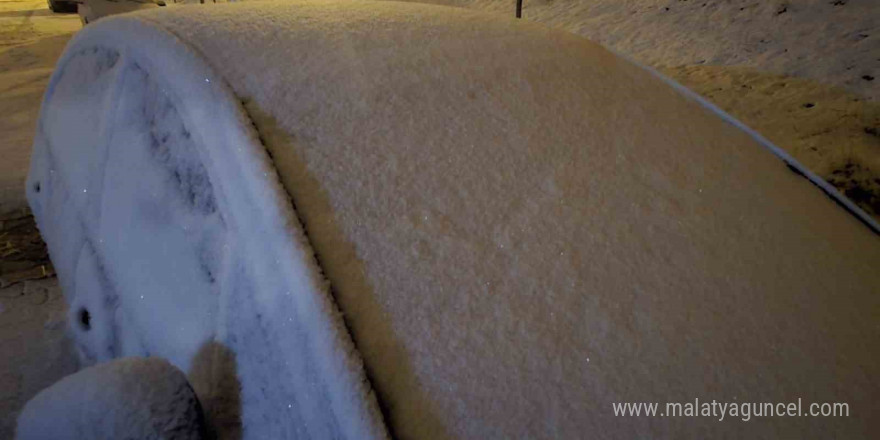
(511, 254)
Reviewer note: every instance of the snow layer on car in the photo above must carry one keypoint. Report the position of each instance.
(519, 227)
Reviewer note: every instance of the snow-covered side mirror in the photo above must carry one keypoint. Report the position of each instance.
(128, 398)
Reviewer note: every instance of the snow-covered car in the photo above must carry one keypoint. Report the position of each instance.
(91, 10)
(347, 218)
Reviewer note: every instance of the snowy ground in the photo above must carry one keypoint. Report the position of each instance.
(34, 348)
(800, 72)
(33, 345)
(31, 39)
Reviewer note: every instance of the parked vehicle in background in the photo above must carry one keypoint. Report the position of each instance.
(91, 10)
(62, 5)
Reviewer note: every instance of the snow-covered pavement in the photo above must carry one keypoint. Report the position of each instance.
(31, 39)
(34, 348)
(26, 21)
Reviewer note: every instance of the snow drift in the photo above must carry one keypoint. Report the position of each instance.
(514, 227)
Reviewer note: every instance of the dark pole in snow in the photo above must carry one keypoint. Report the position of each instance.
(518, 8)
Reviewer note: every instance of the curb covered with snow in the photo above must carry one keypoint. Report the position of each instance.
(519, 227)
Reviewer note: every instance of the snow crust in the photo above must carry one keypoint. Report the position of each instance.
(519, 227)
